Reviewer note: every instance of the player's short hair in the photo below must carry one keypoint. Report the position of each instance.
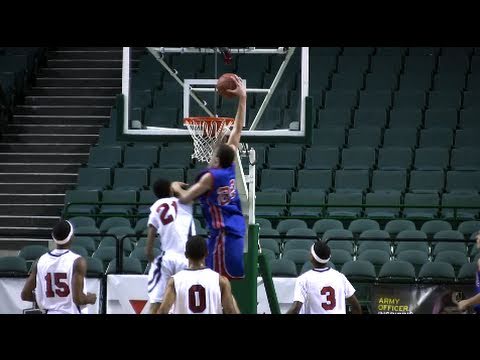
(225, 155)
(196, 248)
(61, 230)
(161, 188)
(322, 250)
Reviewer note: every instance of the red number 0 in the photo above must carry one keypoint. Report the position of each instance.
(330, 292)
(62, 288)
(197, 301)
(163, 215)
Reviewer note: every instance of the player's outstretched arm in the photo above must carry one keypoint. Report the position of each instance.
(187, 196)
(464, 304)
(353, 301)
(30, 284)
(228, 302)
(79, 273)
(169, 298)
(241, 92)
(295, 308)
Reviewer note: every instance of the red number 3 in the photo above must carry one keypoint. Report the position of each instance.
(331, 302)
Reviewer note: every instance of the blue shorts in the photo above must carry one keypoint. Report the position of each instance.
(225, 254)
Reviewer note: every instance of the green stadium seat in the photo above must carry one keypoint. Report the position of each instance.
(81, 231)
(306, 267)
(376, 257)
(451, 235)
(389, 61)
(283, 268)
(337, 238)
(307, 197)
(400, 138)
(340, 257)
(285, 157)
(405, 118)
(436, 138)
(455, 258)
(298, 256)
(422, 182)
(320, 158)
(358, 52)
(347, 81)
(366, 117)
(142, 242)
(113, 222)
(94, 179)
(381, 82)
(394, 158)
(177, 174)
(359, 270)
(374, 234)
(348, 199)
(469, 227)
(457, 52)
(264, 223)
(436, 272)
(466, 139)
(125, 199)
(417, 62)
(86, 242)
(365, 137)
(358, 226)
(94, 267)
(105, 156)
(270, 244)
(463, 182)
(140, 254)
(82, 221)
(285, 225)
(334, 118)
(346, 99)
(31, 253)
(409, 99)
(393, 227)
(78, 196)
(465, 159)
(460, 200)
(390, 199)
(329, 137)
(148, 197)
(140, 156)
(441, 118)
(298, 244)
(416, 258)
(389, 181)
(79, 250)
(109, 241)
(358, 158)
(397, 271)
(322, 225)
(431, 159)
(356, 181)
(433, 226)
(469, 119)
(353, 63)
(467, 273)
(297, 234)
(277, 180)
(431, 200)
(470, 99)
(13, 265)
(402, 246)
(269, 255)
(130, 179)
(268, 198)
(447, 82)
(130, 266)
(105, 254)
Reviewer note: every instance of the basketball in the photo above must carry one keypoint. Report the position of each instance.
(224, 83)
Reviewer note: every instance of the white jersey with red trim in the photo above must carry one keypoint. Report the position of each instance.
(173, 221)
(54, 291)
(323, 291)
(197, 292)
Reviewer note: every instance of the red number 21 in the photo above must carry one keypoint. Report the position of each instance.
(163, 215)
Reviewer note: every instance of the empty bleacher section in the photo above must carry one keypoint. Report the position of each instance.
(393, 153)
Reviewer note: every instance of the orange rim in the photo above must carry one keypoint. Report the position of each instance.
(198, 120)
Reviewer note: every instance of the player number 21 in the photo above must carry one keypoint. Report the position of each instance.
(163, 215)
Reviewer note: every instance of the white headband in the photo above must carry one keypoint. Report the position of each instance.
(67, 239)
(317, 259)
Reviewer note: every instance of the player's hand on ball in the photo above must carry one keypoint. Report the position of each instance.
(462, 305)
(240, 90)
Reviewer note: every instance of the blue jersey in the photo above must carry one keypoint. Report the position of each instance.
(477, 289)
(221, 206)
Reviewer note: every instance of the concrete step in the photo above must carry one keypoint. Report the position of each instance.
(36, 188)
(78, 82)
(103, 110)
(89, 63)
(52, 129)
(60, 119)
(24, 231)
(81, 72)
(51, 138)
(31, 221)
(75, 91)
(32, 198)
(44, 157)
(70, 100)
(37, 177)
(40, 167)
(31, 209)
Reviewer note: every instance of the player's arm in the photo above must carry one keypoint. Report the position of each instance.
(151, 235)
(241, 92)
(79, 273)
(353, 301)
(30, 284)
(186, 196)
(295, 308)
(228, 302)
(464, 304)
(169, 298)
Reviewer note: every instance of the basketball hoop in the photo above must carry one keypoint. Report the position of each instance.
(206, 133)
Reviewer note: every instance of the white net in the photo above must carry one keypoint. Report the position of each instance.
(206, 134)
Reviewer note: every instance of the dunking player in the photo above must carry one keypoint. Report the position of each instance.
(198, 289)
(474, 300)
(220, 201)
(323, 290)
(58, 277)
(174, 223)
